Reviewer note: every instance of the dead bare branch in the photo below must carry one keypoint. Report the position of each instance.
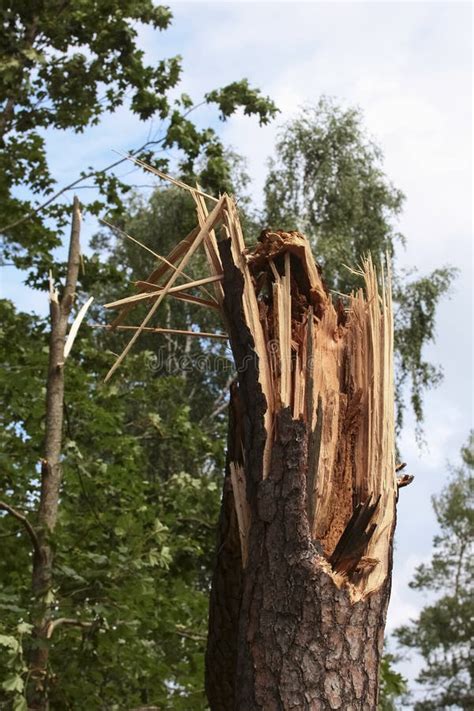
(26, 524)
(53, 624)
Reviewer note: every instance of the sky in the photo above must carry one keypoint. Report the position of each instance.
(407, 65)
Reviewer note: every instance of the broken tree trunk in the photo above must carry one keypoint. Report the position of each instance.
(51, 475)
(302, 578)
(303, 566)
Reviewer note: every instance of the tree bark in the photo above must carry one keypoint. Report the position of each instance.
(297, 620)
(226, 594)
(51, 473)
(302, 642)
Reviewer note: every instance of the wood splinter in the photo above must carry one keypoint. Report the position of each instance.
(404, 480)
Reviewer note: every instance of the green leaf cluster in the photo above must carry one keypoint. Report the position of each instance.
(393, 686)
(63, 67)
(443, 632)
(135, 539)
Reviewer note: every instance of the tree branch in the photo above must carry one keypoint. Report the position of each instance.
(74, 183)
(67, 621)
(91, 174)
(74, 259)
(222, 401)
(194, 636)
(27, 525)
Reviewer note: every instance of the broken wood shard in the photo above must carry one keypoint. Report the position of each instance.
(333, 368)
(155, 293)
(173, 331)
(185, 259)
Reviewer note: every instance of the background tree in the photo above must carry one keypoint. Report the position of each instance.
(64, 66)
(134, 538)
(327, 179)
(443, 632)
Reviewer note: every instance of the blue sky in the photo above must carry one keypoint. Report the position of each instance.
(408, 67)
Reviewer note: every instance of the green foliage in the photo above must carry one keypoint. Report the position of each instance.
(63, 66)
(443, 632)
(135, 538)
(138, 574)
(239, 93)
(13, 667)
(415, 319)
(327, 180)
(24, 354)
(393, 685)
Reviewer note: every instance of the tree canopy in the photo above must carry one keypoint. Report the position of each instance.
(442, 634)
(64, 66)
(134, 542)
(327, 179)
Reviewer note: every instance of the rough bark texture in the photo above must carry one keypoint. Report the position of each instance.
(226, 594)
(303, 641)
(51, 472)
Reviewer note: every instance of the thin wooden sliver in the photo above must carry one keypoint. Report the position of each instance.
(210, 222)
(159, 289)
(165, 176)
(75, 327)
(242, 508)
(210, 245)
(177, 331)
(209, 303)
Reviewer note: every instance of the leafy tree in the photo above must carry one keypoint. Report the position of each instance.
(135, 536)
(443, 632)
(327, 180)
(64, 66)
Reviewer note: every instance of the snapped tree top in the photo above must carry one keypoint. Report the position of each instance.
(330, 365)
(303, 564)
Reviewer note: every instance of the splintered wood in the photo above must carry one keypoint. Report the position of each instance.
(331, 365)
